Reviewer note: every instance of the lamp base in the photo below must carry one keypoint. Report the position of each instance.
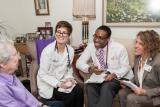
(85, 30)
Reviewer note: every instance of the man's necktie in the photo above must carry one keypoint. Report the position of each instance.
(101, 58)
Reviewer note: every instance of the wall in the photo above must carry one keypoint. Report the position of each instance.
(19, 16)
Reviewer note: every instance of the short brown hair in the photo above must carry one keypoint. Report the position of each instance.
(64, 24)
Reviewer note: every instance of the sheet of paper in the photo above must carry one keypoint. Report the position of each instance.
(96, 78)
(66, 90)
(129, 84)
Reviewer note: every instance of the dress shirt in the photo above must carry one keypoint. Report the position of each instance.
(14, 94)
(53, 69)
(141, 72)
(117, 59)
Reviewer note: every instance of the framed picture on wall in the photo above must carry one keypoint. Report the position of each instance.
(131, 13)
(41, 7)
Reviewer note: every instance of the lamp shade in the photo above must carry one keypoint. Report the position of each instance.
(84, 8)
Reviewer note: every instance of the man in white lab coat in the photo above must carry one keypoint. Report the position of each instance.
(108, 57)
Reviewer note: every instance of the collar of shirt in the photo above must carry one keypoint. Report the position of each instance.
(105, 50)
(6, 78)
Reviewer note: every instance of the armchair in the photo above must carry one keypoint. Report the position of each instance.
(35, 48)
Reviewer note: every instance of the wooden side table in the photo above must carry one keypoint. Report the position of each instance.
(22, 48)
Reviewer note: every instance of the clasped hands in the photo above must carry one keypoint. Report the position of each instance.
(68, 83)
(97, 71)
(139, 91)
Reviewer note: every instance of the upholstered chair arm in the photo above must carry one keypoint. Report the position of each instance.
(33, 78)
(33, 67)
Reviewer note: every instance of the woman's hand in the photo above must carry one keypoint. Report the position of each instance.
(62, 85)
(72, 80)
(139, 91)
(66, 84)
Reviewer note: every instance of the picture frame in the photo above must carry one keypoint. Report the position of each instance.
(41, 7)
(129, 13)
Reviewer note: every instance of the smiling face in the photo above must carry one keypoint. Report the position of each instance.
(62, 35)
(139, 46)
(100, 39)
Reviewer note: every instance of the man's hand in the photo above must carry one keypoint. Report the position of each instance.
(110, 77)
(94, 69)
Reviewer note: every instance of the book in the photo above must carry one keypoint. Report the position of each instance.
(96, 78)
(129, 84)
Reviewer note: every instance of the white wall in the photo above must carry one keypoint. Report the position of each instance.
(20, 16)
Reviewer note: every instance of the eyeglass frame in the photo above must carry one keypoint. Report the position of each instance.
(101, 39)
(62, 34)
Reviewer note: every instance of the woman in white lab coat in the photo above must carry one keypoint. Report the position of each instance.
(55, 79)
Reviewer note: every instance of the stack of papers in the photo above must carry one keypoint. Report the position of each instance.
(96, 78)
(129, 84)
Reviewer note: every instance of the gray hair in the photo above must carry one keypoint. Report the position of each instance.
(5, 52)
(5, 41)
(4, 37)
(6, 32)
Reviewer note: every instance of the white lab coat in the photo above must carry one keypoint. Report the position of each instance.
(117, 59)
(53, 69)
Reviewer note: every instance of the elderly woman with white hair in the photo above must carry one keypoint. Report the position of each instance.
(13, 93)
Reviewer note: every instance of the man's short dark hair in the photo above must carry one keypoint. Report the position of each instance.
(106, 29)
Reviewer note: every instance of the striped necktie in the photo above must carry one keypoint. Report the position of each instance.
(101, 58)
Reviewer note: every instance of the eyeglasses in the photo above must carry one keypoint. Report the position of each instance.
(99, 38)
(62, 34)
